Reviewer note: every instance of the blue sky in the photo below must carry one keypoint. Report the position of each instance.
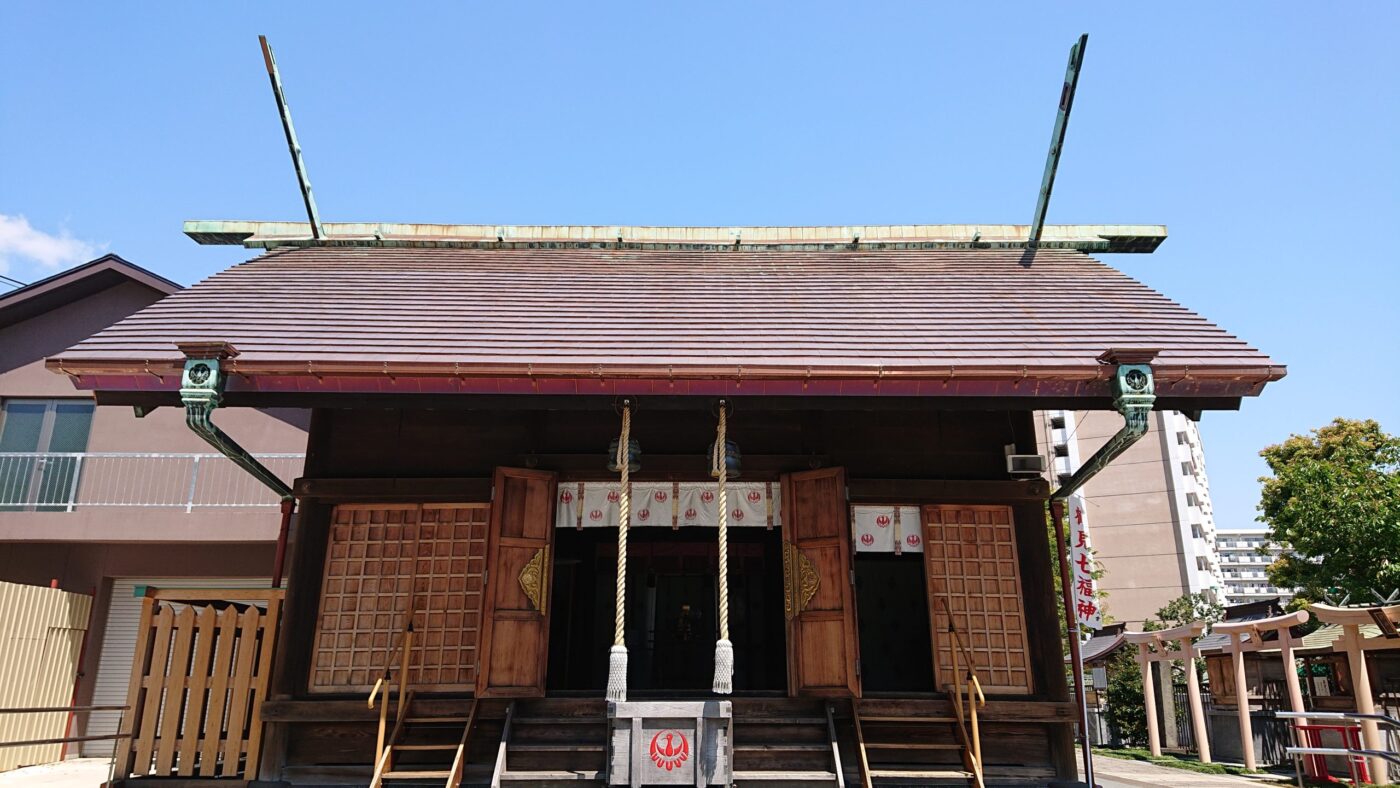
(1263, 135)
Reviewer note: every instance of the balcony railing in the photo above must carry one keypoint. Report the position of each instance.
(65, 481)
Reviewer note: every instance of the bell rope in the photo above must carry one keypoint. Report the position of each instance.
(617, 656)
(724, 649)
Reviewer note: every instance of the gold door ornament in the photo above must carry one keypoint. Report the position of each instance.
(800, 580)
(532, 578)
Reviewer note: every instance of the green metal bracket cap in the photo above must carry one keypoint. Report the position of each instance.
(201, 392)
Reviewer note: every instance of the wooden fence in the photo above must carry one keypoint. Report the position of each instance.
(198, 682)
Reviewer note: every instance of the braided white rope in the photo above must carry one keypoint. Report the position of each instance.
(724, 649)
(617, 656)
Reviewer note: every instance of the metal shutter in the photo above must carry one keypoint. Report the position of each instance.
(118, 647)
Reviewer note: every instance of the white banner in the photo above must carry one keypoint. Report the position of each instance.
(886, 529)
(1082, 565)
(669, 504)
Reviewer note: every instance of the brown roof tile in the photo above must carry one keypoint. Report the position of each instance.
(657, 313)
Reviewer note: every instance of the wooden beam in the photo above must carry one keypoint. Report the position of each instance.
(391, 489)
(920, 491)
(1057, 138)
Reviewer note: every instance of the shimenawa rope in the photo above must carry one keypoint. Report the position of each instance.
(724, 650)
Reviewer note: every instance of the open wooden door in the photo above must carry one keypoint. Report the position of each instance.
(818, 596)
(974, 577)
(515, 617)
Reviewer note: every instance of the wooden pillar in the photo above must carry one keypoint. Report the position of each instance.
(1242, 702)
(1361, 689)
(1290, 676)
(1149, 700)
(1193, 697)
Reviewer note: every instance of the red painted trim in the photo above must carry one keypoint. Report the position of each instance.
(826, 387)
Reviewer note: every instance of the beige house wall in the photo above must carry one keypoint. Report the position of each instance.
(84, 550)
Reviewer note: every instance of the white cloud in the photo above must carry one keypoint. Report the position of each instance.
(21, 241)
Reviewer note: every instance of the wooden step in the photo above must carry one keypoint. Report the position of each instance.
(746, 721)
(558, 720)
(423, 746)
(783, 746)
(512, 747)
(919, 774)
(556, 775)
(784, 776)
(434, 774)
(910, 746)
(907, 720)
(436, 720)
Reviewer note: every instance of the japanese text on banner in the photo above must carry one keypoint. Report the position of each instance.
(1081, 555)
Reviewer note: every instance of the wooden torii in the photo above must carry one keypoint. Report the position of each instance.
(1185, 635)
(1351, 619)
(1238, 647)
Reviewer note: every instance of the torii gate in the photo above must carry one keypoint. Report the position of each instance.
(1237, 649)
(1185, 635)
(1351, 619)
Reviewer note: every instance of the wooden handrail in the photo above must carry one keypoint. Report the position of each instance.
(404, 651)
(971, 687)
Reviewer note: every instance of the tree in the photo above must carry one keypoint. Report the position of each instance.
(1333, 506)
(1127, 717)
(1185, 609)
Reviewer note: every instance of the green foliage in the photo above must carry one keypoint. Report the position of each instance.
(1188, 763)
(1333, 505)
(1184, 610)
(1127, 718)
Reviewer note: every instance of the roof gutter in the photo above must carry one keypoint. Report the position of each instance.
(201, 392)
(1133, 395)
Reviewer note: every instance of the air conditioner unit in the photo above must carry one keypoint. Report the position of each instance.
(1023, 464)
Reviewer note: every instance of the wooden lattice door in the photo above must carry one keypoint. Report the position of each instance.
(515, 638)
(384, 560)
(819, 600)
(974, 577)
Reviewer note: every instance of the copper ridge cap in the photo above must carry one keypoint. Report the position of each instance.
(1107, 238)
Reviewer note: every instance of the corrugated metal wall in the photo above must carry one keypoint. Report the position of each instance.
(118, 647)
(41, 640)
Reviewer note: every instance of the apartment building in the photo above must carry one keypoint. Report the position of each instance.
(1160, 481)
(1243, 566)
(102, 500)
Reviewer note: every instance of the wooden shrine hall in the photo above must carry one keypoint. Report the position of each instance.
(595, 505)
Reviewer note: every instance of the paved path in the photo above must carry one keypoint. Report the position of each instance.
(1119, 773)
(79, 773)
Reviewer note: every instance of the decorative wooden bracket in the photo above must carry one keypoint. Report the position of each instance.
(800, 580)
(532, 578)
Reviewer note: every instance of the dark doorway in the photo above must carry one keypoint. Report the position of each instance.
(672, 604)
(896, 654)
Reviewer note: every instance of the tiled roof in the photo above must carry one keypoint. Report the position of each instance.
(646, 313)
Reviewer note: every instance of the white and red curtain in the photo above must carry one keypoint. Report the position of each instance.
(670, 504)
(886, 529)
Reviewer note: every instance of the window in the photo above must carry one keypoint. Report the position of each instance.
(39, 444)
(1192, 500)
(1057, 422)
(1196, 531)
(1064, 478)
(1062, 450)
(1187, 468)
(1181, 438)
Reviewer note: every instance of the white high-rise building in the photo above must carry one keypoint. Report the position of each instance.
(1160, 480)
(1244, 566)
